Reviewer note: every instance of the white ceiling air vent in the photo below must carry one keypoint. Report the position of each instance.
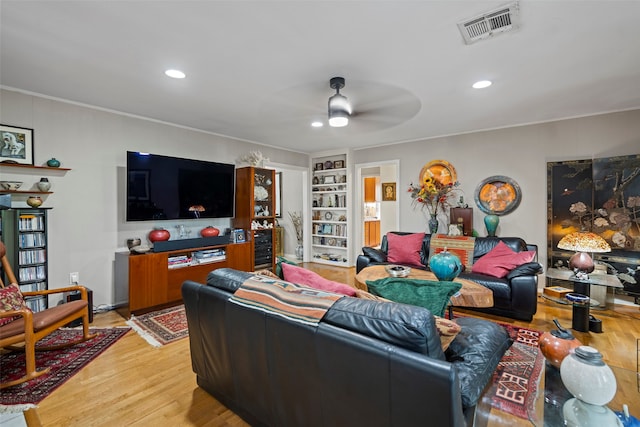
(500, 20)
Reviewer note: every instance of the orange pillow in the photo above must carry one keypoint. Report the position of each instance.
(461, 246)
(405, 249)
(11, 299)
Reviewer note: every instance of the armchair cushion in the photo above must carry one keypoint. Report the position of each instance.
(11, 299)
(405, 249)
(500, 260)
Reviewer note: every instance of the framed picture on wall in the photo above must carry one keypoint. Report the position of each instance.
(388, 191)
(17, 145)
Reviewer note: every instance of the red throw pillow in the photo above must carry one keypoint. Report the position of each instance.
(500, 260)
(11, 299)
(302, 276)
(405, 249)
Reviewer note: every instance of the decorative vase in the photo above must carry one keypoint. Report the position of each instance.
(159, 235)
(53, 163)
(491, 223)
(299, 251)
(44, 184)
(587, 377)
(34, 201)
(557, 344)
(445, 265)
(433, 224)
(209, 232)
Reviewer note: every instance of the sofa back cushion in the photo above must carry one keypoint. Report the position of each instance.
(500, 260)
(403, 325)
(485, 244)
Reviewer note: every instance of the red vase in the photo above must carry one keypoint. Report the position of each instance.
(159, 235)
(557, 344)
(209, 232)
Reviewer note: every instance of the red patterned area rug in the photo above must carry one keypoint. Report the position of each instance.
(516, 382)
(161, 327)
(64, 363)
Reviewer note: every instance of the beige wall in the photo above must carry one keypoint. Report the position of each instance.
(520, 153)
(87, 225)
(87, 220)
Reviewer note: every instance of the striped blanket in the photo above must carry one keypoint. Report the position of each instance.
(295, 302)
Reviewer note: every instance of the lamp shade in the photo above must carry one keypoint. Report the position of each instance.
(584, 241)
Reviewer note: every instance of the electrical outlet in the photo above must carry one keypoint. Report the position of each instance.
(74, 278)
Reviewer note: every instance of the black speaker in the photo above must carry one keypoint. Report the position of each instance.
(76, 295)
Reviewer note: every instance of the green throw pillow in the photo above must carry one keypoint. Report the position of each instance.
(279, 261)
(429, 294)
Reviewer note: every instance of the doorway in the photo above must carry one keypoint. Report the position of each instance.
(373, 215)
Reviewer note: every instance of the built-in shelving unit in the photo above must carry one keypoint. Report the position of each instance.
(330, 197)
(24, 233)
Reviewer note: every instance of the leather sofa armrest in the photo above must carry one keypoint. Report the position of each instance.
(370, 256)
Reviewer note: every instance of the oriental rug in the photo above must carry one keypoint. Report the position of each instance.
(516, 381)
(161, 327)
(64, 363)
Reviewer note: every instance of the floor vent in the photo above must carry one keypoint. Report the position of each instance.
(497, 21)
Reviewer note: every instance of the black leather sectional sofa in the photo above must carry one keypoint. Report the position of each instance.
(514, 296)
(367, 363)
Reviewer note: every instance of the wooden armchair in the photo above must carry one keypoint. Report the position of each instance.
(30, 327)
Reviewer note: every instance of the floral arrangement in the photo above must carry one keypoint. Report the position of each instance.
(296, 220)
(433, 194)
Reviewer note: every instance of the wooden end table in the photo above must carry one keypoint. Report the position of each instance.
(471, 294)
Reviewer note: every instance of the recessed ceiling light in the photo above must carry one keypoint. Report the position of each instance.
(176, 74)
(317, 124)
(482, 84)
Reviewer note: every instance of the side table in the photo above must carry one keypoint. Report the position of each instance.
(580, 320)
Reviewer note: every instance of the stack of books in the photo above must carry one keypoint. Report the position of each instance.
(179, 261)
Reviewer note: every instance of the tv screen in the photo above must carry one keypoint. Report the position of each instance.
(166, 188)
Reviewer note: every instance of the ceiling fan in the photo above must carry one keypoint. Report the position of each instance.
(368, 106)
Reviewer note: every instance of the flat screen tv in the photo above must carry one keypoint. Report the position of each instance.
(170, 188)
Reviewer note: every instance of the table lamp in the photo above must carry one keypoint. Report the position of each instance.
(583, 242)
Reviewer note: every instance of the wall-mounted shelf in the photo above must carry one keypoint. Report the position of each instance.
(18, 165)
(24, 192)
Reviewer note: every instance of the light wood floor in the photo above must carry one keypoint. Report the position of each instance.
(134, 384)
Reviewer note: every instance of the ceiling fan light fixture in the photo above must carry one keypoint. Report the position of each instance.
(339, 108)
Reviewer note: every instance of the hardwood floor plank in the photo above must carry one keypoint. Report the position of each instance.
(135, 384)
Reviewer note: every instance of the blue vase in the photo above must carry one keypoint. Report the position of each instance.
(491, 223)
(433, 224)
(445, 265)
(53, 163)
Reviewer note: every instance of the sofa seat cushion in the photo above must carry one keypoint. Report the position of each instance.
(405, 249)
(475, 354)
(500, 260)
(403, 325)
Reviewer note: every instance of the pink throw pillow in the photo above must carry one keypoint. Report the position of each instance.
(302, 276)
(405, 249)
(500, 260)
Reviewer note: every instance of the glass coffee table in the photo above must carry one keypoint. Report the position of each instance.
(556, 395)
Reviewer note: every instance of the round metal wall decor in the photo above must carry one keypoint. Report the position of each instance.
(440, 170)
(498, 195)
